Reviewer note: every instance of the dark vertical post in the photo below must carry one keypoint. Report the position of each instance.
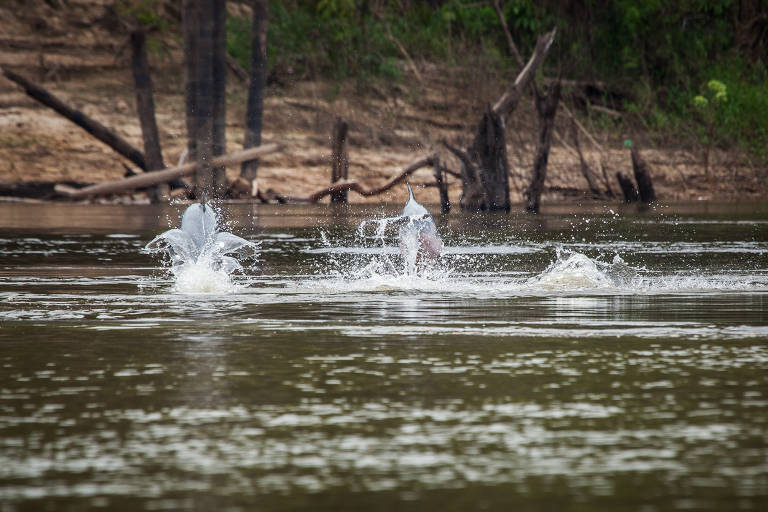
(254, 112)
(190, 28)
(547, 108)
(219, 92)
(145, 106)
(442, 184)
(643, 177)
(339, 158)
(627, 188)
(203, 118)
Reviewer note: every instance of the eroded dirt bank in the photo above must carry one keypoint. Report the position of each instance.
(76, 50)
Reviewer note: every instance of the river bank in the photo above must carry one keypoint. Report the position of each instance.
(391, 123)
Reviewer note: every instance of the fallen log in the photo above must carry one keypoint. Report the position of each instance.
(164, 176)
(345, 185)
(91, 126)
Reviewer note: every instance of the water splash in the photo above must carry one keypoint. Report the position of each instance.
(419, 242)
(202, 258)
(574, 270)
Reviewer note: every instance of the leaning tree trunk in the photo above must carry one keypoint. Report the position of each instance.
(145, 105)
(547, 108)
(254, 112)
(485, 185)
(93, 127)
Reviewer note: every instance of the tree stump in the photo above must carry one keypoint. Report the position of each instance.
(339, 159)
(442, 185)
(489, 152)
(484, 167)
(547, 109)
(643, 177)
(627, 188)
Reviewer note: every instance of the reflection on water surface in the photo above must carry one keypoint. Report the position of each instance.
(589, 361)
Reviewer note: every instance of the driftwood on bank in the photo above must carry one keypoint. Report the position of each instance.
(643, 177)
(547, 109)
(153, 178)
(339, 159)
(88, 124)
(355, 186)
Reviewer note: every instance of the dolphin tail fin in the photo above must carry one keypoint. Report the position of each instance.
(410, 192)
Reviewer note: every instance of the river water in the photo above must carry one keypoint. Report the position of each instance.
(589, 358)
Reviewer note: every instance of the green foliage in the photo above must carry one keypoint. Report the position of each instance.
(655, 53)
(148, 13)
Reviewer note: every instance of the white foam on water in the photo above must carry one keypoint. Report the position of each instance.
(200, 277)
(381, 270)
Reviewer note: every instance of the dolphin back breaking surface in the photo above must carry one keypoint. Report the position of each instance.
(418, 236)
(202, 257)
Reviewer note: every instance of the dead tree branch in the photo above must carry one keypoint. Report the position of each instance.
(511, 97)
(341, 186)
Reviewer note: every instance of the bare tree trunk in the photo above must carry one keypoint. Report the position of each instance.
(189, 28)
(145, 106)
(339, 159)
(442, 185)
(255, 108)
(627, 188)
(643, 177)
(547, 108)
(219, 93)
(205, 67)
(203, 116)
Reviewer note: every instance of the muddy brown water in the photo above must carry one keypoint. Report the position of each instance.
(591, 358)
